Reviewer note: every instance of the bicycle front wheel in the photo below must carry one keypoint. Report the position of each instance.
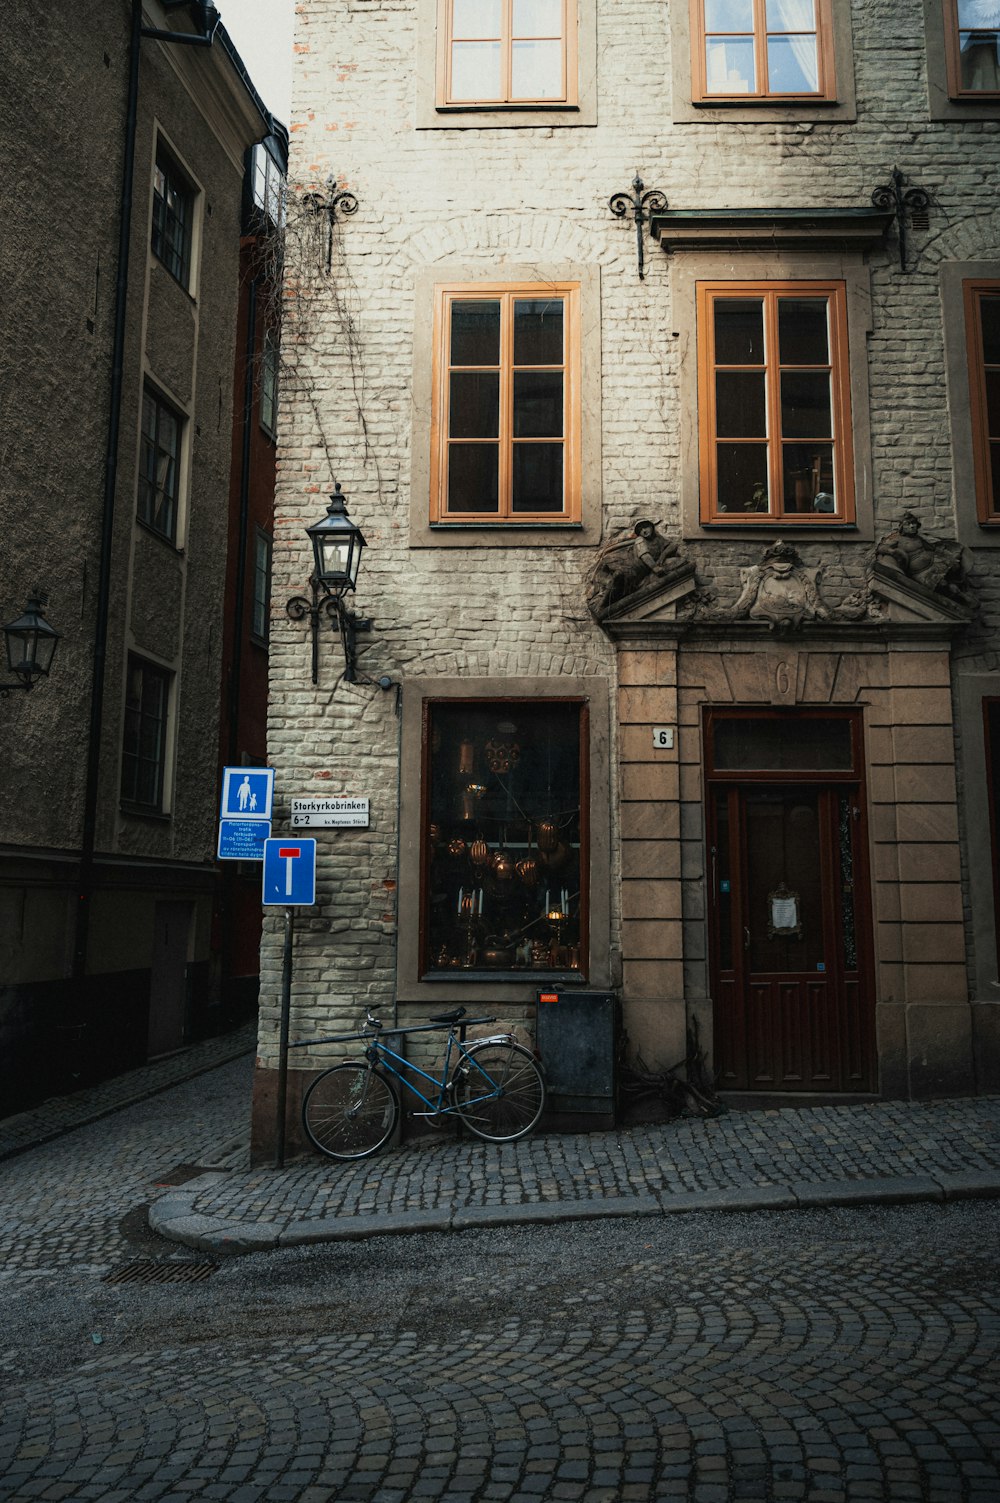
(499, 1091)
(350, 1111)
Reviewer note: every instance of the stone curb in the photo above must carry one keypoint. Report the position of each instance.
(173, 1216)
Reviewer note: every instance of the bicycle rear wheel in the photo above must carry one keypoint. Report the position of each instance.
(350, 1111)
(499, 1091)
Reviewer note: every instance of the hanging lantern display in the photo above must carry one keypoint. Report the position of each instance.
(502, 756)
(456, 847)
(434, 834)
(480, 852)
(547, 836)
(503, 866)
(527, 870)
(466, 756)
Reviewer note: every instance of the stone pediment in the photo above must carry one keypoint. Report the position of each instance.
(907, 600)
(656, 602)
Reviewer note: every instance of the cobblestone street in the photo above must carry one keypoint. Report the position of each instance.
(834, 1353)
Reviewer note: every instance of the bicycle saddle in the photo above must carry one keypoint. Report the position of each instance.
(449, 1017)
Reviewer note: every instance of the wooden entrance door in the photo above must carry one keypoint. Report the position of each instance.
(791, 963)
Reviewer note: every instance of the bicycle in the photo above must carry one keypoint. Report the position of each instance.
(495, 1088)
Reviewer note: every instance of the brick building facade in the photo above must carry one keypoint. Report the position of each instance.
(773, 818)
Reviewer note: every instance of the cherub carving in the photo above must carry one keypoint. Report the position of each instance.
(626, 563)
(936, 563)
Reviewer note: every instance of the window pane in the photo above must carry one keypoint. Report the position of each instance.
(475, 70)
(536, 70)
(791, 15)
(538, 477)
(807, 477)
(742, 472)
(989, 317)
(475, 333)
(786, 743)
(476, 18)
(980, 57)
(538, 404)
(729, 15)
(740, 410)
(729, 66)
(739, 331)
(995, 471)
(538, 18)
(803, 331)
(473, 477)
(993, 402)
(538, 332)
(805, 405)
(503, 837)
(474, 408)
(792, 65)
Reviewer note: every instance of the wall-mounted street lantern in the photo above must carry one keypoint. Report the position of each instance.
(31, 644)
(337, 543)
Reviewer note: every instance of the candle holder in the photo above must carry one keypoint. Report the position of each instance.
(556, 918)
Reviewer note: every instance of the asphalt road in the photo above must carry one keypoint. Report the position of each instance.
(827, 1355)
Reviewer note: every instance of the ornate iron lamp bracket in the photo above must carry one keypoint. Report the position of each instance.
(908, 205)
(343, 621)
(641, 201)
(316, 204)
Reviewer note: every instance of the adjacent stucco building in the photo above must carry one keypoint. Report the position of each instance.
(738, 764)
(126, 153)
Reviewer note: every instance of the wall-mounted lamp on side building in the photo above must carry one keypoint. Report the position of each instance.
(31, 644)
(337, 543)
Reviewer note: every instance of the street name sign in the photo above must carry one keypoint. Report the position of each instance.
(243, 839)
(247, 793)
(289, 873)
(340, 809)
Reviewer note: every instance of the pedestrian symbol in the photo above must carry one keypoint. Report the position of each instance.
(247, 792)
(289, 873)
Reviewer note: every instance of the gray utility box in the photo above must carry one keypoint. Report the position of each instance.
(577, 1035)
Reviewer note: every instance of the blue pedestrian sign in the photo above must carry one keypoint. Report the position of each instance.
(289, 873)
(243, 839)
(247, 792)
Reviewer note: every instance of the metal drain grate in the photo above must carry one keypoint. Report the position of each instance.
(146, 1271)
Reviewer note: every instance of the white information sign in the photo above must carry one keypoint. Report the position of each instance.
(341, 810)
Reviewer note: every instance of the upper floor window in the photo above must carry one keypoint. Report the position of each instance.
(269, 383)
(982, 307)
(173, 218)
(972, 39)
(263, 548)
(774, 403)
(762, 49)
(268, 185)
(159, 465)
(144, 743)
(507, 53)
(505, 420)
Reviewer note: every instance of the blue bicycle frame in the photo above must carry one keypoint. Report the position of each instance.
(379, 1053)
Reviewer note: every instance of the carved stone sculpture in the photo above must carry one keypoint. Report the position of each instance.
(629, 562)
(781, 590)
(936, 564)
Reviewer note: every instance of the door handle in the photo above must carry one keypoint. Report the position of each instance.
(746, 937)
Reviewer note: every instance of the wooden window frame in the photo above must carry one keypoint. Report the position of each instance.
(261, 592)
(825, 57)
(842, 439)
(132, 759)
(171, 236)
(507, 292)
(953, 59)
(569, 97)
(146, 509)
(269, 370)
(987, 503)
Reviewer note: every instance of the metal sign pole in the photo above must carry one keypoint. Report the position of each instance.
(286, 1009)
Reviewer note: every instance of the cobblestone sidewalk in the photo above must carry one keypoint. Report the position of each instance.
(61, 1114)
(888, 1152)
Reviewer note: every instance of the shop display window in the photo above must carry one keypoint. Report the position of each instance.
(504, 836)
